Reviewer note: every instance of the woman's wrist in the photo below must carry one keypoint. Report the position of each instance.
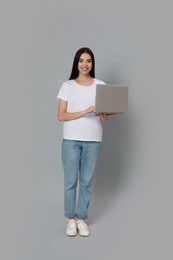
(83, 113)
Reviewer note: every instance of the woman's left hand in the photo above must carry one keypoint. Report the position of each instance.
(104, 116)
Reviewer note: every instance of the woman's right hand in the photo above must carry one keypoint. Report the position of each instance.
(90, 109)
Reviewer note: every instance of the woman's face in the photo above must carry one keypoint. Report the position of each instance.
(85, 64)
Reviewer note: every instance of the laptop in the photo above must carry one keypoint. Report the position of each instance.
(110, 99)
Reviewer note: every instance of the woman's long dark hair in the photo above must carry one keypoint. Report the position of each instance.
(75, 71)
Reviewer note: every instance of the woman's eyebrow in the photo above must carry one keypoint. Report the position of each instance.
(83, 59)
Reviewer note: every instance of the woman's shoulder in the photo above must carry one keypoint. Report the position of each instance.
(64, 89)
(98, 81)
(68, 83)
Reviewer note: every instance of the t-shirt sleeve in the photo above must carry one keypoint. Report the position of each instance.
(100, 82)
(103, 82)
(63, 92)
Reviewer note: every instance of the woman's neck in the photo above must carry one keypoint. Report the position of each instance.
(84, 79)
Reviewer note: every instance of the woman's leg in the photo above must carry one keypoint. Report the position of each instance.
(71, 153)
(89, 156)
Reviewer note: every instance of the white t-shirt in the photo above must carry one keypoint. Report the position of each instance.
(80, 98)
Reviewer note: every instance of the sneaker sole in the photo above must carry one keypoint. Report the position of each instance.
(83, 235)
(71, 235)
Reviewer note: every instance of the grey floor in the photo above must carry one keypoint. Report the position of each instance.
(124, 225)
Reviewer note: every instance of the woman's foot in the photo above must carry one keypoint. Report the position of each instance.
(71, 229)
(82, 227)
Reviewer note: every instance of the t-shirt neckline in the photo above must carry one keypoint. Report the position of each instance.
(84, 86)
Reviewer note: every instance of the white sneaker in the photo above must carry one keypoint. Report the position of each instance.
(82, 227)
(71, 229)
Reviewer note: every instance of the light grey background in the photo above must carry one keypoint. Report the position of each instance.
(131, 211)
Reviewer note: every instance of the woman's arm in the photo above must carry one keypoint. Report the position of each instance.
(63, 115)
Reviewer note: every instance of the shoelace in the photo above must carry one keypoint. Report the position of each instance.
(71, 225)
(82, 224)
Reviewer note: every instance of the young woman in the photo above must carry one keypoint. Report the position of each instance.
(82, 138)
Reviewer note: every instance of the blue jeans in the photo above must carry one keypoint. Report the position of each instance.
(79, 160)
